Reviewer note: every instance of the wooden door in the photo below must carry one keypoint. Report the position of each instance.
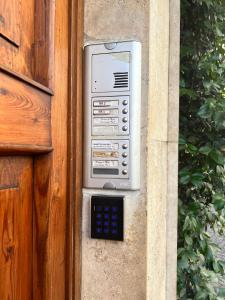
(34, 97)
(16, 227)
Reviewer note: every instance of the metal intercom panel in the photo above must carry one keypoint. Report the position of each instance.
(112, 115)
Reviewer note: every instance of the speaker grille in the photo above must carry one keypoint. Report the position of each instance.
(121, 80)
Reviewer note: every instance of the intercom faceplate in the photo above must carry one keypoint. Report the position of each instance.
(112, 115)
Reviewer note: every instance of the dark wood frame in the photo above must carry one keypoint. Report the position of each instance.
(73, 281)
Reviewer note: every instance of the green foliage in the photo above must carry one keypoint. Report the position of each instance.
(202, 149)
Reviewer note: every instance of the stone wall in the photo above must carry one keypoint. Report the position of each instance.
(125, 270)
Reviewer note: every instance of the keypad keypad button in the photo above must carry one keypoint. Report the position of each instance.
(99, 208)
(114, 217)
(106, 216)
(114, 209)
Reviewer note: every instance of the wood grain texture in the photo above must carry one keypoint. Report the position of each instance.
(28, 24)
(18, 59)
(26, 80)
(51, 190)
(43, 57)
(24, 113)
(27, 119)
(15, 228)
(41, 234)
(56, 262)
(10, 21)
(17, 149)
(73, 280)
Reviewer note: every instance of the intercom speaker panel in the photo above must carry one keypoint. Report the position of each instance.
(112, 115)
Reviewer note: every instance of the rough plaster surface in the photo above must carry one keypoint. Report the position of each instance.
(117, 270)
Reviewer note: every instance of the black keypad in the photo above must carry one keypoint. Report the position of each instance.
(107, 217)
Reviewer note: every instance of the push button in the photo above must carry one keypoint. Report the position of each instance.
(124, 128)
(124, 172)
(125, 111)
(124, 163)
(124, 154)
(125, 102)
(125, 119)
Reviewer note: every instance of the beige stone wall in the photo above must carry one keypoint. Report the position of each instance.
(163, 149)
(127, 270)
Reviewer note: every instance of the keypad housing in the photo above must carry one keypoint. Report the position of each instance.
(107, 220)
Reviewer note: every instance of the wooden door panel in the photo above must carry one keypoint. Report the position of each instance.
(26, 38)
(24, 113)
(10, 21)
(35, 93)
(16, 228)
(16, 51)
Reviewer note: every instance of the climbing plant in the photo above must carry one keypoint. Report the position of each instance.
(201, 275)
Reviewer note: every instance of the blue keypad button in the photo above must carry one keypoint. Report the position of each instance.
(106, 208)
(106, 223)
(114, 209)
(114, 224)
(98, 216)
(114, 217)
(98, 230)
(98, 208)
(106, 216)
(99, 223)
(114, 231)
(106, 230)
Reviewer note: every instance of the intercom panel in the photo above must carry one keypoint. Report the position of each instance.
(112, 115)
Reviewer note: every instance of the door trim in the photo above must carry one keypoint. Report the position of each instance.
(76, 31)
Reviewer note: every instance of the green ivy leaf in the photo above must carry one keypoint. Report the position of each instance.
(222, 293)
(217, 156)
(205, 150)
(197, 178)
(219, 201)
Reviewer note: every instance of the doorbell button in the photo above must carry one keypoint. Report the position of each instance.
(125, 119)
(124, 172)
(124, 163)
(125, 146)
(125, 128)
(125, 111)
(125, 102)
(124, 154)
